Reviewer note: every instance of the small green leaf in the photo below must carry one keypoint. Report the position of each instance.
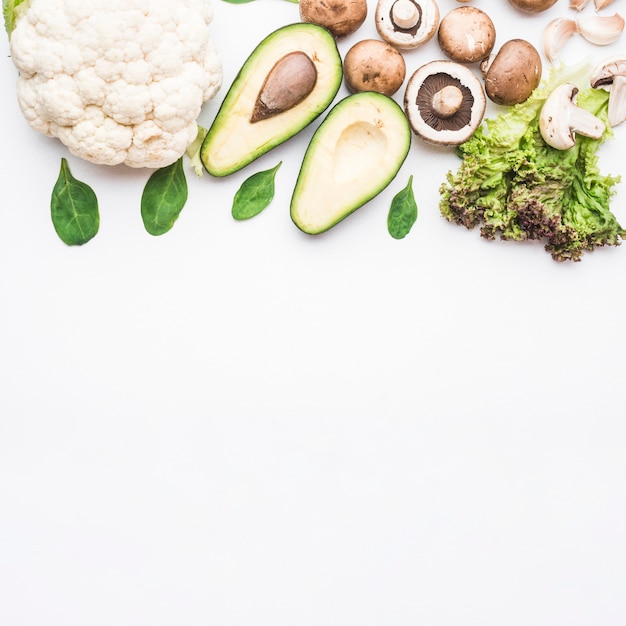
(163, 198)
(403, 212)
(73, 208)
(254, 194)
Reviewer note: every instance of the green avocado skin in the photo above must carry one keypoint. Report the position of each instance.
(333, 197)
(247, 141)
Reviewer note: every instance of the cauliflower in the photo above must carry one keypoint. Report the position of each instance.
(117, 81)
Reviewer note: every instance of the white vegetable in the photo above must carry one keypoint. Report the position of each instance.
(117, 81)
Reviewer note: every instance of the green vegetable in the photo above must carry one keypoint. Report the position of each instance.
(193, 151)
(403, 212)
(12, 10)
(163, 198)
(73, 208)
(516, 187)
(255, 194)
(353, 155)
(259, 112)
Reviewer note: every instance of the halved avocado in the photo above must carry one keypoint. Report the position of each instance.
(353, 155)
(289, 79)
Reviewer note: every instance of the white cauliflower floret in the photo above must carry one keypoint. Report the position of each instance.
(117, 81)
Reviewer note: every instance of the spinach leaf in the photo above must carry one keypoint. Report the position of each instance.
(163, 198)
(403, 212)
(73, 208)
(254, 194)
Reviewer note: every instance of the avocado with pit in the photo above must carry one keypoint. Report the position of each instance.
(354, 154)
(290, 78)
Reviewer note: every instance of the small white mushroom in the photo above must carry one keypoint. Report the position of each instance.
(561, 118)
(406, 24)
(611, 75)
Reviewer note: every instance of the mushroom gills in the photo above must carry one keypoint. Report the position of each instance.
(407, 24)
(353, 155)
(444, 102)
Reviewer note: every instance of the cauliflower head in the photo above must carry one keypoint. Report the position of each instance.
(117, 81)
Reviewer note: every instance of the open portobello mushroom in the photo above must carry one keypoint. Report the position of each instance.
(407, 24)
(444, 102)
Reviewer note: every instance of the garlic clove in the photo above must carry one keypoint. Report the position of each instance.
(601, 30)
(556, 34)
(579, 5)
(601, 4)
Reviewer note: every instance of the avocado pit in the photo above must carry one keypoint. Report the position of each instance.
(288, 83)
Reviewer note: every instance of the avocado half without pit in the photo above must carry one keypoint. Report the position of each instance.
(290, 78)
(444, 102)
(353, 155)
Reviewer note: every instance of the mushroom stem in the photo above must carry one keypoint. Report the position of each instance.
(617, 101)
(405, 14)
(447, 101)
(611, 75)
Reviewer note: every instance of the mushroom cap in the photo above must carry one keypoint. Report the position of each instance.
(466, 34)
(532, 6)
(603, 74)
(513, 73)
(425, 86)
(340, 17)
(411, 35)
(610, 75)
(374, 65)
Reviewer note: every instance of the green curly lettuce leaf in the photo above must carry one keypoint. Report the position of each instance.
(12, 10)
(514, 186)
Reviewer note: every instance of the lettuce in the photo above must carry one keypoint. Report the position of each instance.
(514, 186)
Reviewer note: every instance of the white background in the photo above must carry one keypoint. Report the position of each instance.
(235, 423)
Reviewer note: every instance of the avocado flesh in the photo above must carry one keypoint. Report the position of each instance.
(234, 140)
(354, 154)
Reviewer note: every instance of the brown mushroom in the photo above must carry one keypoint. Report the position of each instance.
(340, 17)
(407, 24)
(444, 102)
(532, 6)
(513, 73)
(466, 34)
(374, 65)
